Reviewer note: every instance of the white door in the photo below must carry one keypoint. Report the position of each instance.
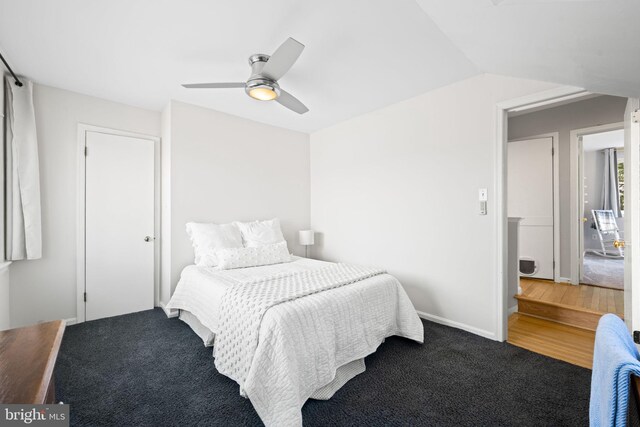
(119, 225)
(530, 197)
(632, 215)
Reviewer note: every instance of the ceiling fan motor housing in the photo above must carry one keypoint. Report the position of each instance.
(257, 62)
(257, 80)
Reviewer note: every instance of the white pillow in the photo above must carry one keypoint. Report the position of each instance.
(252, 256)
(209, 237)
(259, 233)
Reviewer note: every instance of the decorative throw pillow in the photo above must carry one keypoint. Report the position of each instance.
(259, 233)
(207, 238)
(253, 256)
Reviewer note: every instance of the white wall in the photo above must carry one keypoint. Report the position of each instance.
(564, 119)
(46, 289)
(5, 309)
(224, 168)
(5, 318)
(398, 188)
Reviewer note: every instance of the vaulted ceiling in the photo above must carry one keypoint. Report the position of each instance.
(594, 44)
(360, 54)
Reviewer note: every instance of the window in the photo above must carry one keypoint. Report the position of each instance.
(621, 180)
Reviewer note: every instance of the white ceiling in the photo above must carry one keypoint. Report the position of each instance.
(600, 141)
(360, 54)
(594, 44)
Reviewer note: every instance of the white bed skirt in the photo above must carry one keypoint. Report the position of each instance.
(202, 331)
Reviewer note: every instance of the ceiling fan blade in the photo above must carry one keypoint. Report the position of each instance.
(213, 85)
(291, 102)
(282, 59)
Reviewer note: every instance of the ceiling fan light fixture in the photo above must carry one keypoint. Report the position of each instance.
(263, 90)
(263, 93)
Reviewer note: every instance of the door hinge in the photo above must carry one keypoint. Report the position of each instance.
(85, 151)
(553, 151)
(85, 297)
(635, 116)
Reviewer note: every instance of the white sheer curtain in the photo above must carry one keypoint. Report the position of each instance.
(22, 177)
(610, 194)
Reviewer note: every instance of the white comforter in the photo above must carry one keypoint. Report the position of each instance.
(303, 342)
(200, 289)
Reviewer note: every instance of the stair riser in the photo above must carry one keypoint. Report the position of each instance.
(581, 319)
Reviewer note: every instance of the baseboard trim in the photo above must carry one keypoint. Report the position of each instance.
(563, 280)
(513, 309)
(170, 313)
(70, 321)
(458, 325)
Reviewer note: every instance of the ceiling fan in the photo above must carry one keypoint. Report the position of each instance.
(265, 72)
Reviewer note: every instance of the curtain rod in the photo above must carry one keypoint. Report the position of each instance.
(17, 80)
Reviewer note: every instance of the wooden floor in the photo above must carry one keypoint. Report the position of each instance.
(563, 342)
(564, 339)
(602, 300)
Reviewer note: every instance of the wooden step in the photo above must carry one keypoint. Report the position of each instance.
(568, 343)
(567, 314)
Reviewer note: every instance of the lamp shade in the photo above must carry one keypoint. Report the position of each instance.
(306, 237)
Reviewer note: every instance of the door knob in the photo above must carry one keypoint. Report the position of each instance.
(618, 243)
(584, 219)
(149, 238)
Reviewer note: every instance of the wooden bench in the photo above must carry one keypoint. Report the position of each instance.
(27, 358)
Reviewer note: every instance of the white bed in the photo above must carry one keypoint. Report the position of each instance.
(200, 289)
(307, 346)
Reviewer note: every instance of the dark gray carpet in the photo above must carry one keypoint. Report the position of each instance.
(143, 369)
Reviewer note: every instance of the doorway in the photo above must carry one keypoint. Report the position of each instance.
(601, 192)
(117, 222)
(560, 291)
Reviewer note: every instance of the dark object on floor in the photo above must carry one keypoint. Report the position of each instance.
(143, 369)
(634, 403)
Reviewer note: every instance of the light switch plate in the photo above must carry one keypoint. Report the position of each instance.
(482, 194)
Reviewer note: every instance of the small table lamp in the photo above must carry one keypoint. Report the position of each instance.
(305, 237)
